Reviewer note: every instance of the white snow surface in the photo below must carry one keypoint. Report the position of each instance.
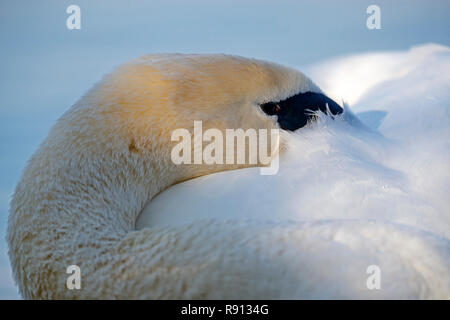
(364, 193)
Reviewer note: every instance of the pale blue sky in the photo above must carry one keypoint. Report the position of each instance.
(46, 67)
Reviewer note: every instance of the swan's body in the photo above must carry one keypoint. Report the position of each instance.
(81, 192)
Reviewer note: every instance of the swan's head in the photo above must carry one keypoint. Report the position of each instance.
(157, 94)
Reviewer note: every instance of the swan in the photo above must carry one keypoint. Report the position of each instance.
(106, 160)
(79, 196)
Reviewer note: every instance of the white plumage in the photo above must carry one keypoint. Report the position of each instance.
(309, 232)
(364, 188)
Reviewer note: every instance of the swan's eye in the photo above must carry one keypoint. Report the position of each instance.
(295, 112)
(271, 108)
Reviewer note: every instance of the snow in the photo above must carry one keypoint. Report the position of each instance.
(380, 189)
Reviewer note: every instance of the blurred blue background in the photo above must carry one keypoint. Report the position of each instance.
(45, 67)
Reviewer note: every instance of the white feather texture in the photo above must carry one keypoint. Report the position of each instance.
(79, 196)
(347, 195)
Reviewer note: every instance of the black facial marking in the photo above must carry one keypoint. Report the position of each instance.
(295, 112)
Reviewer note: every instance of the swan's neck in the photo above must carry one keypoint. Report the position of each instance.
(75, 211)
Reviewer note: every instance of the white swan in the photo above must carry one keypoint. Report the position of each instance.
(79, 197)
